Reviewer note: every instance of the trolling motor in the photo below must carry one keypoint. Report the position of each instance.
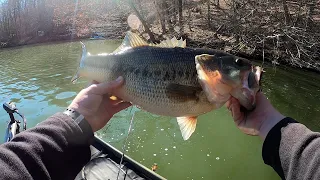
(13, 127)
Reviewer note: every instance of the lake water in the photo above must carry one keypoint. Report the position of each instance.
(38, 78)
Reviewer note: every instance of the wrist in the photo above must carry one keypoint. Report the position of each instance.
(269, 122)
(77, 108)
(77, 117)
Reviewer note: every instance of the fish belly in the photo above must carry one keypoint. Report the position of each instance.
(151, 96)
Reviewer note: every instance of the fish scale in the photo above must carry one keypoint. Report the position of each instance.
(162, 80)
(148, 89)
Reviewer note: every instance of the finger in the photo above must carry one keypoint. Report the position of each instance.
(236, 113)
(94, 82)
(115, 102)
(229, 103)
(106, 87)
(121, 106)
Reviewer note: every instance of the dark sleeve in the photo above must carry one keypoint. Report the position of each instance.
(293, 150)
(57, 148)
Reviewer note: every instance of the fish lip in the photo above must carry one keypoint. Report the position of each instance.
(247, 95)
(258, 72)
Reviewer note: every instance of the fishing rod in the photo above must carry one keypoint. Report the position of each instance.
(13, 127)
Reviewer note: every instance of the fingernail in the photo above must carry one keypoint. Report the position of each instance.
(119, 79)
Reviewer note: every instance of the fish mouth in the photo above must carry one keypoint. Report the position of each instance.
(251, 83)
(258, 75)
(219, 85)
(254, 87)
(257, 72)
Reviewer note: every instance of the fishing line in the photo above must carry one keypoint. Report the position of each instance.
(124, 144)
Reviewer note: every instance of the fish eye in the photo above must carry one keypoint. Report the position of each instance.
(239, 62)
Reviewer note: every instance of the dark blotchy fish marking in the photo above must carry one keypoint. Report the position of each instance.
(183, 93)
(166, 76)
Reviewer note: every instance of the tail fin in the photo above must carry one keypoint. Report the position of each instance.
(83, 56)
(75, 78)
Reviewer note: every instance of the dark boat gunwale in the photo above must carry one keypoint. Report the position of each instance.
(116, 155)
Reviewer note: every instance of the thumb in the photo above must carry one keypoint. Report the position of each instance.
(235, 110)
(106, 87)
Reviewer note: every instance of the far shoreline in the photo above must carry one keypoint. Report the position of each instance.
(282, 64)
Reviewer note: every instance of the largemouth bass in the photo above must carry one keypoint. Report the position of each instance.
(171, 79)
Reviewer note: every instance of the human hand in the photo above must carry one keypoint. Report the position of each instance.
(257, 122)
(95, 105)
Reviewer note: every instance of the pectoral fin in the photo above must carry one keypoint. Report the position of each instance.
(182, 93)
(187, 126)
(174, 42)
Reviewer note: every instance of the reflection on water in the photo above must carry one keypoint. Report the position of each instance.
(38, 78)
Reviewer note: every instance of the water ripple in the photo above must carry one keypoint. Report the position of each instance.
(38, 78)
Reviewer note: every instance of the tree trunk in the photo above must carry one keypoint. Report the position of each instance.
(209, 11)
(286, 12)
(189, 19)
(161, 13)
(167, 15)
(144, 23)
(180, 16)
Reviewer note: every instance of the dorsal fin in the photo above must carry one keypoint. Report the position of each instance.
(134, 40)
(171, 43)
(131, 40)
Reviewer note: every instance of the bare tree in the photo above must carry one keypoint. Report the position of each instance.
(180, 16)
(161, 13)
(286, 12)
(144, 23)
(284, 31)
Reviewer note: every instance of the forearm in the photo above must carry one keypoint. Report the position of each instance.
(55, 149)
(271, 119)
(293, 150)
